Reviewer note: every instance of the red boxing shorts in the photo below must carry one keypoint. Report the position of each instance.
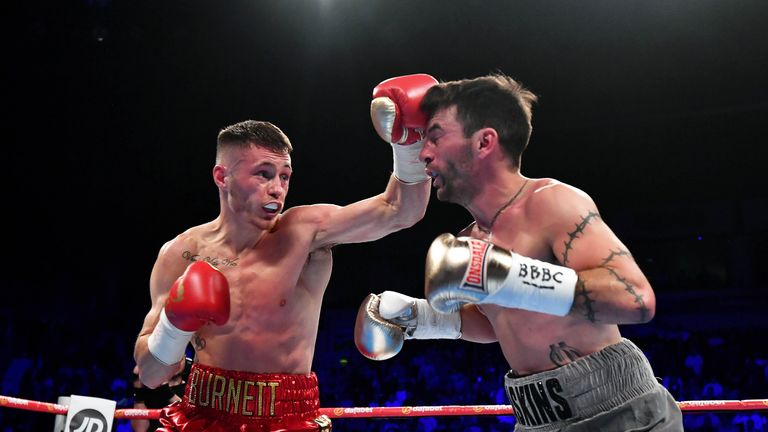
(218, 400)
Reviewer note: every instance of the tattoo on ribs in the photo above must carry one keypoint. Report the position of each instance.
(562, 354)
(587, 302)
(214, 261)
(199, 343)
(573, 235)
(639, 301)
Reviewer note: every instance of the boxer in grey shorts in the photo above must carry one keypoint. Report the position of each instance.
(538, 271)
(611, 390)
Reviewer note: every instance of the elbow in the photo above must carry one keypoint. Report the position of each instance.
(148, 381)
(151, 373)
(647, 306)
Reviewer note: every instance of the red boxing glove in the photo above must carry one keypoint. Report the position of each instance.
(399, 121)
(395, 108)
(198, 296)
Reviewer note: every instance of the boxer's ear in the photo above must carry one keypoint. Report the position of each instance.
(219, 175)
(485, 141)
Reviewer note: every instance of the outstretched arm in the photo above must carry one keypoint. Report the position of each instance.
(399, 121)
(400, 206)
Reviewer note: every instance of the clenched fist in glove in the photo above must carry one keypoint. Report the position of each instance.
(384, 321)
(199, 296)
(468, 270)
(399, 121)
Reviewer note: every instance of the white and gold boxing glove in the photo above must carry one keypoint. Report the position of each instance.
(384, 321)
(468, 270)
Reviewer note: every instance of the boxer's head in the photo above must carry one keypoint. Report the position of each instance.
(494, 101)
(252, 171)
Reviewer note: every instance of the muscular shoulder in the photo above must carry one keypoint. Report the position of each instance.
(304, 222)
(307, 218)
(549, 195)
(170, 263)
(555, 203)
(182, 249)
(185, 242)
(308, 213)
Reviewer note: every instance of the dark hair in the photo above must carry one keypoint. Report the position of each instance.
(495, 101)
(254, 133)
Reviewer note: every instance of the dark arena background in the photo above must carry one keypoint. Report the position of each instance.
(657, 109)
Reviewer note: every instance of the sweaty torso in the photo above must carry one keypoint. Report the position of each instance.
(276, 291)
(532, 341)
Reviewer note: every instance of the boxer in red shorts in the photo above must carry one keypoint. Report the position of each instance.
(246, 288)
(221, 400)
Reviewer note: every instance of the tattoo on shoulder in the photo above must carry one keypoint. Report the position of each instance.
(562, 354)
(585, 301)
(577, 232)
(214, 261)
(199, 343)
(614, 254)
(628, 287)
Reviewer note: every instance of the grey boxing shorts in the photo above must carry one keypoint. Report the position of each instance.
(613, 389)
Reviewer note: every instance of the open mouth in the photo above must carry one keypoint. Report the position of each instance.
(437, 180)
(271, 208)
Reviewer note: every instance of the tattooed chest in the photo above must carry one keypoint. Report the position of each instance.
(215, 260)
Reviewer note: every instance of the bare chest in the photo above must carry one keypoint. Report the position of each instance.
(266, 276)
(523, 235)
(518, 233)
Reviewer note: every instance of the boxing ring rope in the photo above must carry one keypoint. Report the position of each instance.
(402, 411)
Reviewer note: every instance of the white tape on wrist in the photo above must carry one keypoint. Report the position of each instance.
(536, 286)
(167, 343)
(432, 324)
(407, 166)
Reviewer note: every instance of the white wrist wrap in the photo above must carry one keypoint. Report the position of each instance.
(167, 343)
(407, 167)
(432, 324)
(536, 286)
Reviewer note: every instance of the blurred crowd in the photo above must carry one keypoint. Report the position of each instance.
(42, 359)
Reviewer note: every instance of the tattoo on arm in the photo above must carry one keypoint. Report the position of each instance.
(562, 354)
(639, 301)
(587, 302)
(573, 235)
(214, 261)
(614, 254)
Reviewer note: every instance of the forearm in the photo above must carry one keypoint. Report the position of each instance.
(475, 327)
(608, 295)
(152, 372)
(467, 270)
(407, 201)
